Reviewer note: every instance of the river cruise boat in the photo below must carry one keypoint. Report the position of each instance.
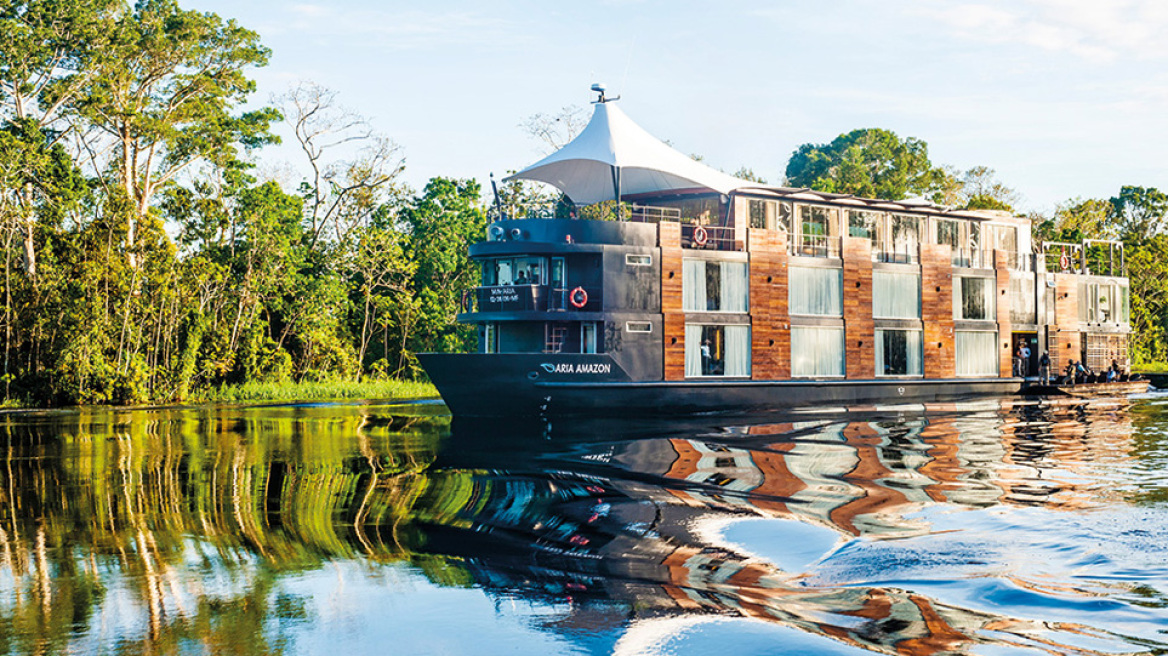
(708, 293)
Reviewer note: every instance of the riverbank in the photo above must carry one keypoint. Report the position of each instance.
(329, 390)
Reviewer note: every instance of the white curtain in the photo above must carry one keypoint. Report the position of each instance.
(977, 353)
(735, 292)
(896, 295)
(737, 350)
(693, 350)
(693, 285)
(815, 291)
(914, 346)
(817, 351)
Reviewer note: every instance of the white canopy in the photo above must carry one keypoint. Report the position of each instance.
(612, 153)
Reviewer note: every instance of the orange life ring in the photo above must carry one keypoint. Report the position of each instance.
(1064, 261)
(700, 237)
(578, 297)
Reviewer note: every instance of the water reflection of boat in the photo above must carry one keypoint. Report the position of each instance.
(860, 474)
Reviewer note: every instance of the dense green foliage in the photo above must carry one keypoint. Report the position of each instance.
(872, 163)
(144, 262)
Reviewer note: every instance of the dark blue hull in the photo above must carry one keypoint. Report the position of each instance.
(535, 385)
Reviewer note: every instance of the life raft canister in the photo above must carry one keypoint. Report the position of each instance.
(578, 297)
(700, 236)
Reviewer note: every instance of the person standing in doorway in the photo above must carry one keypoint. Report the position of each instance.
(1025, 359)
(1044, 368)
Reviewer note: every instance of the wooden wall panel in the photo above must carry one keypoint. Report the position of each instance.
(859, 328)
(1064, 340)
(669, 237)
(770, 332)
(1002, 302)
(937, 310)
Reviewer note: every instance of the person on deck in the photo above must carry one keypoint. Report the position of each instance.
(1044, 368)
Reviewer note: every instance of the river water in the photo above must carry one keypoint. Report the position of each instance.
(993, 527)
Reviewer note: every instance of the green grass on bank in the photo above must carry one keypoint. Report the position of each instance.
(1153, 368)
(330, 390)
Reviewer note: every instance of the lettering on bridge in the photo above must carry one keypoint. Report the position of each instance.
(503, 295)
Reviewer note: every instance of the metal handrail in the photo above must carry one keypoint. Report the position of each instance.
(652, 214)
(816, 246)
(718, 238)
(895, 252)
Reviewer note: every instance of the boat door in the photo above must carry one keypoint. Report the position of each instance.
(588, 337)
(557, 291)
(1028, 344)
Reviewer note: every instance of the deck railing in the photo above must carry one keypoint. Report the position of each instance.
(895, 252)
(712, 238)
(816, 246)
(972, 257)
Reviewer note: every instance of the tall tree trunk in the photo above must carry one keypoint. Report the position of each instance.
(28, 228)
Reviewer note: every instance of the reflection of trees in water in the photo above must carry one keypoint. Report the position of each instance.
(154, 505)
(191, 517)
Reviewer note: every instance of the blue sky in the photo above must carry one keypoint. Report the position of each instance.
(1063, 98)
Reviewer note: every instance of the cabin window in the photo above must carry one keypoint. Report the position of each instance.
(974, 299)
(769, 214)
(898, 353)
(709, 286)
(1003, 237)
(717, 350)
(638, 327)
(862, 223)
(702, 211)
(1103, 303)
(896, 295)
(815, 291)
(816, 226)
(513, 271)
(977, 353)
(949, 233)
(906, 237)
(817, 351)
(1022, 303)
(639, 260)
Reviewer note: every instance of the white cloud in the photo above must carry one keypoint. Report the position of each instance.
(1095, 30)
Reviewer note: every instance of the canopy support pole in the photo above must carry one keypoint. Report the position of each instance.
(616, 185)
